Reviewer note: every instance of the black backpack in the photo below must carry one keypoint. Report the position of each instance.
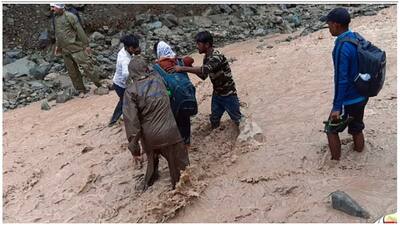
(371, 66)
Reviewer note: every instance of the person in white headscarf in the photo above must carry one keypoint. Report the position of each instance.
(167, 59)
(164, 50)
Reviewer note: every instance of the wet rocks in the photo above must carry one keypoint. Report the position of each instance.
(65, 95)
(101, 91)
(45, 105)
(96, 36)
(343, 202)
(169, 20)
(18, 68)
(40, 71)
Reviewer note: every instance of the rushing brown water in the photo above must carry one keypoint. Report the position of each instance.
(66, 165)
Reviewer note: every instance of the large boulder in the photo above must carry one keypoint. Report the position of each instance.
(18, 68)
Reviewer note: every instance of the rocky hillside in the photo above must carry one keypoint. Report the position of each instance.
(31, 74)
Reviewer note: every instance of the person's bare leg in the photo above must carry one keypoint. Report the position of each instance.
(358, 140)
(334, 146)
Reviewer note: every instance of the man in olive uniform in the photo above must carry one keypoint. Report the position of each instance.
(73, 44)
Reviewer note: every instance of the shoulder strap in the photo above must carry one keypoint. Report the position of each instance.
(159, 70)
(351, 40)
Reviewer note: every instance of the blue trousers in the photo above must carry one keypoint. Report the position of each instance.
(118, 108)
(220, 104)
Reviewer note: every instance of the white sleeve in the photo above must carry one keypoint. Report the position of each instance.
(118, 69)
(124, 68)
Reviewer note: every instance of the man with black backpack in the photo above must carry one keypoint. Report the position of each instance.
(348, 103)
(73, 44)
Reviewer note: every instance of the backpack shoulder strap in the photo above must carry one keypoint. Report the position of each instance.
(159, 70)
(351, 40)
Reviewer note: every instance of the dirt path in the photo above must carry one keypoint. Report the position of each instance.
(66, 165)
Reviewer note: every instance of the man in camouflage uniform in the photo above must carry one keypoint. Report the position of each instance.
(216, 66)
(73, 44)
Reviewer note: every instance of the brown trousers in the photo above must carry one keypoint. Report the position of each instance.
(81, 58)
(177, 157)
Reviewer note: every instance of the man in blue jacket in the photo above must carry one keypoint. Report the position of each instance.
(348, 104)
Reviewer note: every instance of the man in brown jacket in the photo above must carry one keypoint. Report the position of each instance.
(73, 44)
(148, 118)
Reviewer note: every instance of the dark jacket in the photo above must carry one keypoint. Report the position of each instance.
(147, 114)
(345, 63)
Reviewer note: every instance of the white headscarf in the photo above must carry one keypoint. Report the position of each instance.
(164, 50)
(57, 5)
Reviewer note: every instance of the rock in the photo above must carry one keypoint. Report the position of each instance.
(52, 96)
(278, 12)
(169, 20)
(162, 32)
(224, 8)
(343, 202)
(18, 68)
(15, 53)
(63, 82)
(7, 60)
(224, 20)
(36, 85)
(207, 12)
(45, 105)
(10, 21)
(65, 95)
(295, 20)
(51, 76)
(44, 39)
(259, 32)
(101, 91)
(115, 42)
(202, 21)
(97, 36)
(370, 13)
(246, 10)
(142, 18)
(40, 71)
(154, 25)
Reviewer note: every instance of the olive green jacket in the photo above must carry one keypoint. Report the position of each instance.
(70, 36)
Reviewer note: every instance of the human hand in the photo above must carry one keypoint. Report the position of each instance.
(138, 162)
(88, 50)
(171, 69)
(57, 51)
(335, 116)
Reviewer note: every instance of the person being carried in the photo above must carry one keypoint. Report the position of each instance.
(216, 66)
(166, 58)
(131, 47)
(148, 118)
(73, 44)
(348, 105)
